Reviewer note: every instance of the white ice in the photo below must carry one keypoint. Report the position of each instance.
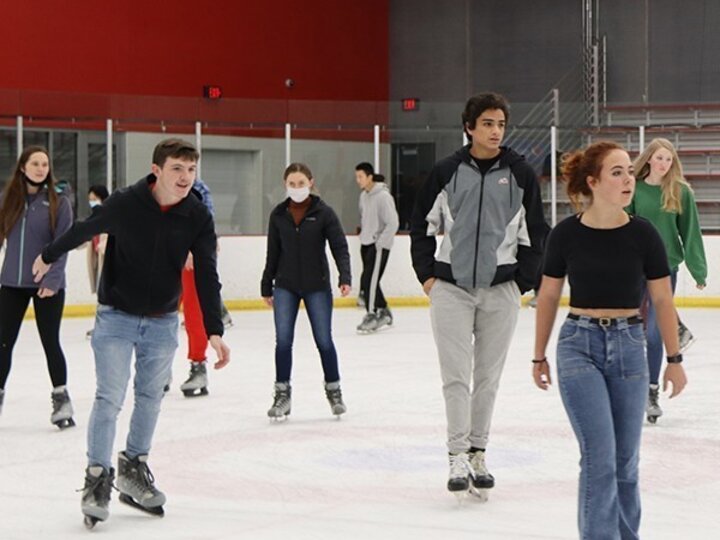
(378, 473)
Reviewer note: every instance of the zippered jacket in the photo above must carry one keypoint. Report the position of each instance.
(296, 258)
(146, 252)
(378, 217)
(27, 238)
(493, 223)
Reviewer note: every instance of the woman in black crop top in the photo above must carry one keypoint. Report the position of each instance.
(607, 257)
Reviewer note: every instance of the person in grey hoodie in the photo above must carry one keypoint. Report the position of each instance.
(485, 199)
(378, 225)
(31, 215)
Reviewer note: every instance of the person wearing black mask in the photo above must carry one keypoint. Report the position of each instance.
(31, 215)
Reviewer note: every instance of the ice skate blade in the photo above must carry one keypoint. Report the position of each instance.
(64, 424)
(197, 392)
(279, 419)
(90, 522)
(157, 511)
(481, 494)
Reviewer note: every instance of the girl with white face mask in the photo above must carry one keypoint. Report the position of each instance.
(297, 269)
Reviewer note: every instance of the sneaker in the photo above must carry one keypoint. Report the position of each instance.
(653, 410)
(481, 479)
(136, 481)
(282, 400)
(96, 492)
(460, 472)
(369, 324)
(685, 336)
(334, 397)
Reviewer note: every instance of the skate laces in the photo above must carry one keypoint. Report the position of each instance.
(459, 466)
(59, 399)
(99, 486)
(477, 463)
(281, 399)
(334, 396)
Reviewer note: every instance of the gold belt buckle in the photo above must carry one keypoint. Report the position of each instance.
(604, 321)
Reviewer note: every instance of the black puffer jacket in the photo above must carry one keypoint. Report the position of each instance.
(296, 257)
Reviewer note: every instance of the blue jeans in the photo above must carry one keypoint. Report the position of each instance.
(654, 339)
(603, 379)
(116, 335)
(318, 305)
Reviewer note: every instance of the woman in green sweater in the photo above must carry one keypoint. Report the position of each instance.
(664, 197)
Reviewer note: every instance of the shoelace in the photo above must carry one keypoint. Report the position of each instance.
(99, 486)
(335, 396)
(477, 462)
(459, 466)
(281, 399)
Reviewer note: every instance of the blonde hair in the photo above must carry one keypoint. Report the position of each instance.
(671, 184)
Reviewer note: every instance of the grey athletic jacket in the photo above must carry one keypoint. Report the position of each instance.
(378, 217)
(493, 224)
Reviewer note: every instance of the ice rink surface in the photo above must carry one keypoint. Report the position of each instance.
(378, 473)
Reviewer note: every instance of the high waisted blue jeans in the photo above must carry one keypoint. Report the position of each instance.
(603, 379)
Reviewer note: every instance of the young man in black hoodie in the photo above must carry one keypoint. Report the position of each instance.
(486, 200)
(151, 227)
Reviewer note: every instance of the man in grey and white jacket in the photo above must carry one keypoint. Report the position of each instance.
(378, 225)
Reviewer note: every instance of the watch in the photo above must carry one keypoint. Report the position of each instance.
(675, 359)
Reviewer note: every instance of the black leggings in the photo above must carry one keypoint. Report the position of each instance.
(48, 313)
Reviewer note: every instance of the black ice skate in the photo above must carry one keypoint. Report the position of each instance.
(96, 494)
(62, 413)
(137, 485)
(282, 401)
(481, 480)
(460, 474)
(334, 397)
(653, 410)
(197, 383)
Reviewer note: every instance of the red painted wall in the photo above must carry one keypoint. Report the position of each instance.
(333, 49)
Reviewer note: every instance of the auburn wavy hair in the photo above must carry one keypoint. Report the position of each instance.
(577, 166)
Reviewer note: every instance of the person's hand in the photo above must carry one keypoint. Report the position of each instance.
(675, 375)
(700, 286)
(222, 350)
(189, 264)
(344, 290)
(45, 293)
(268, 300)
(428, 285)
(541, 374)
(39, 269)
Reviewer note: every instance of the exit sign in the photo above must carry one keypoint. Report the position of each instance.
(410, 104)
(212, 92)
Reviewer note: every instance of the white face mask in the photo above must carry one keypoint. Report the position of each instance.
(298, 194)
(95, 203)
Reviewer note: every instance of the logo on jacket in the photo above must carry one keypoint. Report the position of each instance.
(503, 181)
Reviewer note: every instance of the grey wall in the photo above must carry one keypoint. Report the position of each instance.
(447, 50)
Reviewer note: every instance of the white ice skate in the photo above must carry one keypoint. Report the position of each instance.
(460, 475)
(481, 480)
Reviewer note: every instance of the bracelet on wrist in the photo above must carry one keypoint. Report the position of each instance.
(542, 360)
(675, 359)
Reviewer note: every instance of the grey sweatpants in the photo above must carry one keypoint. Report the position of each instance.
(472, 329)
